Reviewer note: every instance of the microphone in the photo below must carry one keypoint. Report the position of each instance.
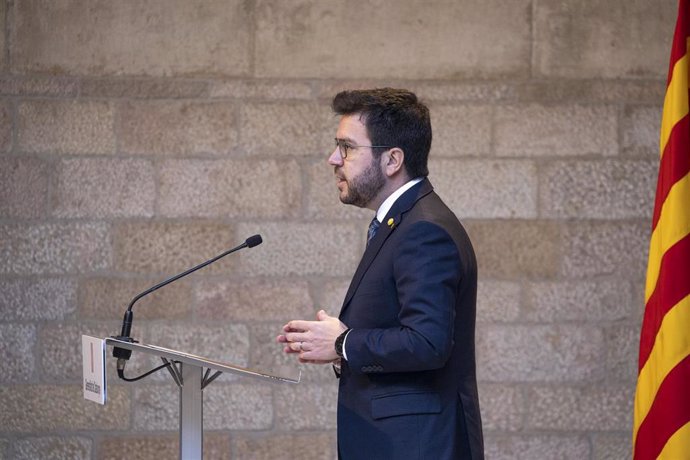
(122, 354)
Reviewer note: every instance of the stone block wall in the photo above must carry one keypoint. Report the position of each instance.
(138, 138)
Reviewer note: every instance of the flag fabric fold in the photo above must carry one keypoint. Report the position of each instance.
(662, 400)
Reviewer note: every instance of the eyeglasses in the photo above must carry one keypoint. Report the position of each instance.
(344, 147)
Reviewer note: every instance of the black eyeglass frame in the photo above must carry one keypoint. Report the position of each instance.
(344, 146)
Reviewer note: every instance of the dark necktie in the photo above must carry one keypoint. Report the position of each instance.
(373, 228)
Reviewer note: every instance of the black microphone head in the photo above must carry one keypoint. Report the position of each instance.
(253, 241)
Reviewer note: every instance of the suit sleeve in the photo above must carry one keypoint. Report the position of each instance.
(427, 272)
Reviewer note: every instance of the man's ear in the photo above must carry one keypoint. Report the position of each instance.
(393, 161)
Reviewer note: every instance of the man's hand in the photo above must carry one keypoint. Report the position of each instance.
(313, 340)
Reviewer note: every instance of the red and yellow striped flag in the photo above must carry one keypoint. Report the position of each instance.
(662, 401)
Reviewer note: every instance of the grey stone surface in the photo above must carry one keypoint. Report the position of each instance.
(301, 249)
(594, 408)
(108, 297)
(23, 185)
(18, 361)
(5, 126)
(329, 295)
(502, 407)
(177, 127)
(25, 299)
(103, 188)
(611, 447)
(498, 301)
(253, 299)
(98, 38)
(307, 446)
(606, 248)
(305, 39)
(555, 130)
(54, 448)
(598, 189)
(38, 408)
(38, 85)
(66, 127)
(229, 188)
(622, 351)
(560, 353)
(307, 407)
(598, 91)
(171, 247)
(593, 301)
(287, 129)
(260, 89)
(620, 38)
(481, 189)
(640, 128)
(529, 447)
(216, 446)
(54, 248)
(143, 88)
(460, 130)
(516, 249)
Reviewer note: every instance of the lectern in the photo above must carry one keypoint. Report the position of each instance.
(192, 374)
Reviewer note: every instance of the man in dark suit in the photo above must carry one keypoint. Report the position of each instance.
(403, 345)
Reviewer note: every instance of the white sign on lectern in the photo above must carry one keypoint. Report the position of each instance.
(93, 366)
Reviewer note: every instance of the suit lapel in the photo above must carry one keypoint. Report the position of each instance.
(403, 204)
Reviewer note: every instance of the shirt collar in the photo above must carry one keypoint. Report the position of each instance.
(388, 202)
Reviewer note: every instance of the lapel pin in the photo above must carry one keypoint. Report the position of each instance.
(391, 222)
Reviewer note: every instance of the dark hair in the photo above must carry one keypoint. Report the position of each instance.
(392, 117)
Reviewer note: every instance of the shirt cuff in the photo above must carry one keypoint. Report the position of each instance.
(344, 342)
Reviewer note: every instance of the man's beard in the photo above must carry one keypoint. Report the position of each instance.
(362, 189)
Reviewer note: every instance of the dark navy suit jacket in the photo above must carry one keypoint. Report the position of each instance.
(408, 388)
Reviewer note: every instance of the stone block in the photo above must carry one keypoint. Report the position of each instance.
(5, 126)
(103, 188)
(606, 248)
(216, 447)
(640, 128)
(54, 248)
(4, 449)
(559, 353)
(598, 189)
(530, 447)
(307, 446)
(516, 249)
(37, 408)
(611, 446)
(461, 130)
(177, 127)
(498, 301)
(97, 38)
(591, 408)
(307, 407)
(330, 294)
(322, 195)
(288, 129)
(107, 298)
(60, 349)
(245, 406)
(41, 299)
(3, 59)
(590, 39)
(555, 130)
(267, 355)
(302, 249)
(170, 247)
(260, 89)
(305, 39)
(23, 185)
(230, 188)
(593, 301)
(52, 447)
(582, 91)
(18, 363)
(250, 300)
(486, 189)
(39, 85)
(66, 127)
(622, 348)
(225, 342)
(448, 91)
(502, 407)
(143, 88)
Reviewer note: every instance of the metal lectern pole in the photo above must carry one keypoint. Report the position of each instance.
(191, 413)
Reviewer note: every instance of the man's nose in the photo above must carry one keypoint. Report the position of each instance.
(335, 159)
